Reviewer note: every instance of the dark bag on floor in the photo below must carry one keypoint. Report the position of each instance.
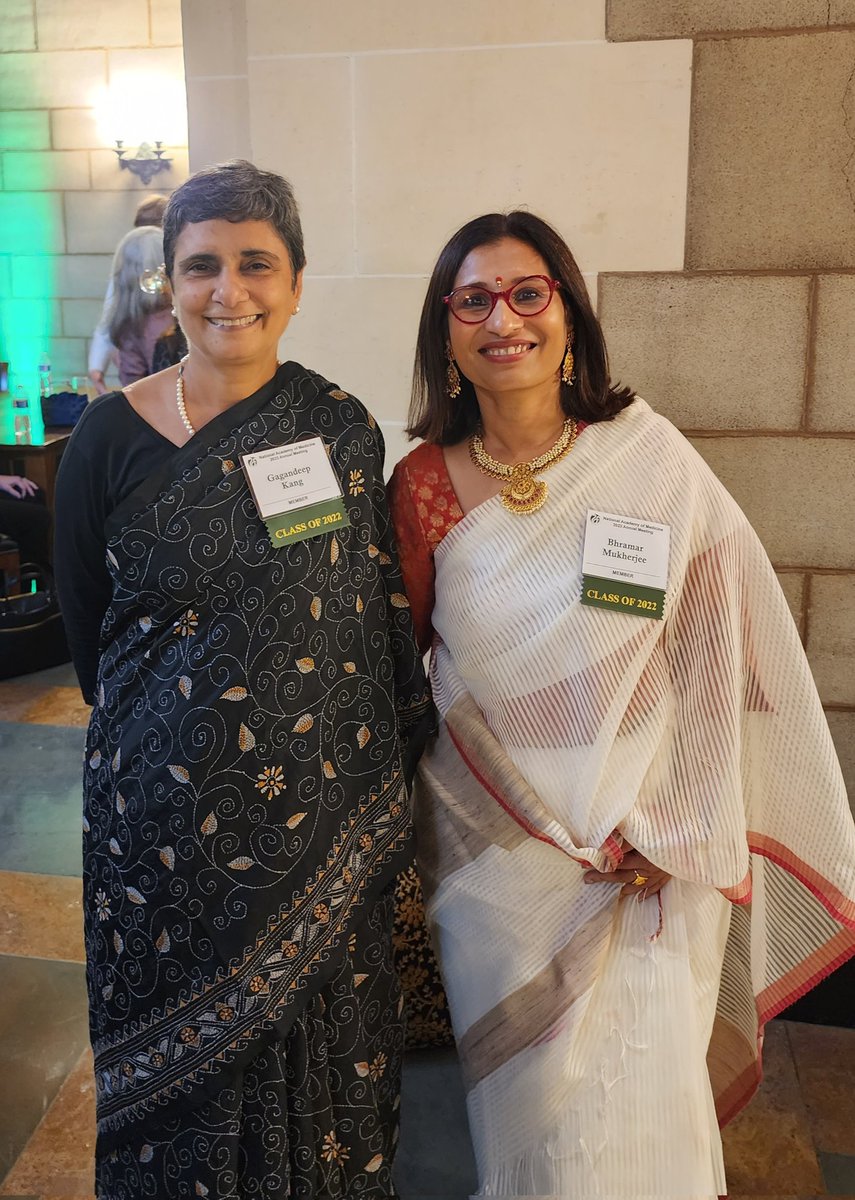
(32, 636)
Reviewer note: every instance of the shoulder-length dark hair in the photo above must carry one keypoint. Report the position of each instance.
(433, 415)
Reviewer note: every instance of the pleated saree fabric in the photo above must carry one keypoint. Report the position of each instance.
(600, 1038)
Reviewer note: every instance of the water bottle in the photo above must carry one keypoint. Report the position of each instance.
(21, 416)
(45, 386)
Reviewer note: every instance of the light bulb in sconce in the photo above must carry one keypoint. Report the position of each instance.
(136, 105)
(146, 163)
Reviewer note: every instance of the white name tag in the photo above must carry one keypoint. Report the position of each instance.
(296, 491)
(625, 564)
(288, 477)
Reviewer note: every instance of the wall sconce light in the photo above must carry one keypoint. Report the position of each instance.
(146, 163)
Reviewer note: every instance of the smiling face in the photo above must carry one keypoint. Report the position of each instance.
(233, 290)
(508, 352)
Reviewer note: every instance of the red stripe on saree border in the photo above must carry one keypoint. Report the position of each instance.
(522, 821)
(614, 851)
(841, 907)
(741, 894)
(732, 1101)
(798, 982)
(774, 1000)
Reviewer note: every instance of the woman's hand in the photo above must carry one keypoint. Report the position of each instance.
(17, 486)
(636, 873)
(97, 378)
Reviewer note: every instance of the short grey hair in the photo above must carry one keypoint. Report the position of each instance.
(235, 191)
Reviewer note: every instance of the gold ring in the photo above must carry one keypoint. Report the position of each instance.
(639, 880)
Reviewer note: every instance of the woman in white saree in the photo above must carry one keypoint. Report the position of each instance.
(634, 839)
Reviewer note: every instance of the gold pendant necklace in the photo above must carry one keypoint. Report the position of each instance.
(522, 493)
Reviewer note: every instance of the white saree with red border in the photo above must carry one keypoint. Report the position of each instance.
(603, 1040)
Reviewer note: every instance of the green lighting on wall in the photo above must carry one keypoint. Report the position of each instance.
(32, 235)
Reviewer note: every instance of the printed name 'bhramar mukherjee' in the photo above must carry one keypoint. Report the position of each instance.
(619, 549)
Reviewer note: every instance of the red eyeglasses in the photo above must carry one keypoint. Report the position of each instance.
(526, 298)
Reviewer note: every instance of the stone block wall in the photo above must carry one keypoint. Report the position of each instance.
(750, 348)
(398, 122)
(64, 203)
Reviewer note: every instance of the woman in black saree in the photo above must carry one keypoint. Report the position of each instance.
(254, 711)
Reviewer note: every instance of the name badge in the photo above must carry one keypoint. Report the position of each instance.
(295, 490)
(625, 564)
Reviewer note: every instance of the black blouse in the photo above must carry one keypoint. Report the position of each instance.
(111, 451)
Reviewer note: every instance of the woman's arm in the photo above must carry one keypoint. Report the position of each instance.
(417, 567)
(101, 349)
(83, 581)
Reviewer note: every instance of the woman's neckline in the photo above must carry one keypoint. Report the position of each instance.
(465, 512)
(161, 437)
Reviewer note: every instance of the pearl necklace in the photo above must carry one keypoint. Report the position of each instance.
(522, 493)
(179, 398)
(179, 395)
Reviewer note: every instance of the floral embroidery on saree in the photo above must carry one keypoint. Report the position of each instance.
(257, 712)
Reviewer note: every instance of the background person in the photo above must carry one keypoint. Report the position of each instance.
(245, 809)
(606, 789)
(169, 349)
(24, 518)
(101, 349)
(136, 319)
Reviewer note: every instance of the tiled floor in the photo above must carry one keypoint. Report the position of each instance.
(796, 1140)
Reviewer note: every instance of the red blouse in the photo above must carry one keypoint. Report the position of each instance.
(424, 509)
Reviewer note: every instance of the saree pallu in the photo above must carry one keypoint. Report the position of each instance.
(597, 1035)
(245, 804)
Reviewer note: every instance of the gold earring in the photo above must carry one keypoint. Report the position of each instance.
(452, 375)
(567, 364)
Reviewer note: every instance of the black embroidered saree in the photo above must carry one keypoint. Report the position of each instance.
(245, 815)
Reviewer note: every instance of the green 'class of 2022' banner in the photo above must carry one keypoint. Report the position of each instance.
(622, 597)
(307, 522)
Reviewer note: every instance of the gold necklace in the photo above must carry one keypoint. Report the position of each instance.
(522, 493)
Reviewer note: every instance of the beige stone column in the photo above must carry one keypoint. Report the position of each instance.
(750, 348)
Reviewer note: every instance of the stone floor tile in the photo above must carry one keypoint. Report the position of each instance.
(43, 1032)
(825, 1062)
(435, 1155)
(59, 1157)
(40, 804)
(18, 694)
(839, 1173)
(39, 706)
(40, 916)
(768, 1147)
(59, 706)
